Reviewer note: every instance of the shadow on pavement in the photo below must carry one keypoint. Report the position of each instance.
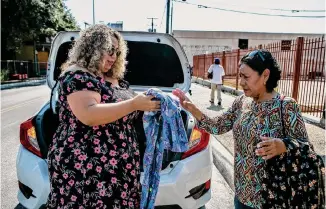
(215, 107)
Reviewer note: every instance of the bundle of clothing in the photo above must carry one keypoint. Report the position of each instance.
(164, 130)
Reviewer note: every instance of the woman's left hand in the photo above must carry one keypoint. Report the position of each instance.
(270, 147)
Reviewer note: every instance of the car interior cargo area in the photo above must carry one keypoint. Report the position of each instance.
(148, 64)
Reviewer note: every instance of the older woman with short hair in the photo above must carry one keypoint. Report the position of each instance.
(270, 141)
(94, 157)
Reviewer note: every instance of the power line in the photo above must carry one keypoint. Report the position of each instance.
(244, 12)
(162, 16)
(296, 10)
(284, 10)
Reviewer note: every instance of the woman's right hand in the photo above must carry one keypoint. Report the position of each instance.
(144, 103)
(187, 104)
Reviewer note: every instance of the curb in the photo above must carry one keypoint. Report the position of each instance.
(207, 83)
(22, 84)
(320, 123)
(223, 161)
(235, 92)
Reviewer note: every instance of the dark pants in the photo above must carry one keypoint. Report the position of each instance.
(239, 205)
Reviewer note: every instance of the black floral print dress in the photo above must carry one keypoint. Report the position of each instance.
(93, 167)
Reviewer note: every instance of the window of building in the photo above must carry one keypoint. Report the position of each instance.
(243, 43)
(286, 45)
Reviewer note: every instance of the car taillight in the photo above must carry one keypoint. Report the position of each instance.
(28, 137)
(208, 185)
(198, 141)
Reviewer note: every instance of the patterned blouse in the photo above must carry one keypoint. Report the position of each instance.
(249, 120)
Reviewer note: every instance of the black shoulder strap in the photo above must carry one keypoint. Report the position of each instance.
(282, 120)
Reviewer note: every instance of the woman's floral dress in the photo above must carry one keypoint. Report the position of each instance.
(93, 167)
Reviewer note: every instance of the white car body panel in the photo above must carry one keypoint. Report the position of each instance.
(176, 180)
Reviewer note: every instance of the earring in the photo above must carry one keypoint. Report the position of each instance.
(264, 83)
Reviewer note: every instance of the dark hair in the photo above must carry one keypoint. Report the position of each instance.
(261, 59)
(217, 61)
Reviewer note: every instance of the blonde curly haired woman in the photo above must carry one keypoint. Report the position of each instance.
(94, 157)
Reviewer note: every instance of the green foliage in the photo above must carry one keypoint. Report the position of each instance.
(4, 75)
(28, 20)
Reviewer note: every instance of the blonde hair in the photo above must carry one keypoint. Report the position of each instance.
(88, 50)
(119, 66)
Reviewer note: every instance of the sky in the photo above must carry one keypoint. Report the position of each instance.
(188, 16)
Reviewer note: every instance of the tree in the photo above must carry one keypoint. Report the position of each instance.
(28, 20)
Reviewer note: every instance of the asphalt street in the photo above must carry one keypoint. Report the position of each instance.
(18, 105)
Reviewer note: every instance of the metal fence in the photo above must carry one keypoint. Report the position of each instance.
(32, 69)
(302, 62)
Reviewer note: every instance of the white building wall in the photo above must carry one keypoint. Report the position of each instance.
(200, 42)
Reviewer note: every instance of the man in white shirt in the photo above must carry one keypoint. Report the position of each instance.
(217, 80)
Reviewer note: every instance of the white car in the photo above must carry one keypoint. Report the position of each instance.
(154, 60)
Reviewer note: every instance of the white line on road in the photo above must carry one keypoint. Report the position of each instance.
(10, 124)
(21, 104)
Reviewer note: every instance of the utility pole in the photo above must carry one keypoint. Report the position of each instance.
(152, 18)
(169, 15)
(171, 29)
(93, 13)
(168, 7)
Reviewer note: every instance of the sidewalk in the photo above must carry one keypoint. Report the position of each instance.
(22, 83)
(223, 147)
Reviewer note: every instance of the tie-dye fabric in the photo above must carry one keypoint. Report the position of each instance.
(163, 130)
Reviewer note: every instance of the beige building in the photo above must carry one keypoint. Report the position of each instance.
(201, 42)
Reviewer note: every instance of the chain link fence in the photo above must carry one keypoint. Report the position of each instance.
(11, 69)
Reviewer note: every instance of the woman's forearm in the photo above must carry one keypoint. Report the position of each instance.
(197, 114)
(217, 125)
(99, 114)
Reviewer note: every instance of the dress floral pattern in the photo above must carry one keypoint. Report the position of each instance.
(274, 183)
(93, 167)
